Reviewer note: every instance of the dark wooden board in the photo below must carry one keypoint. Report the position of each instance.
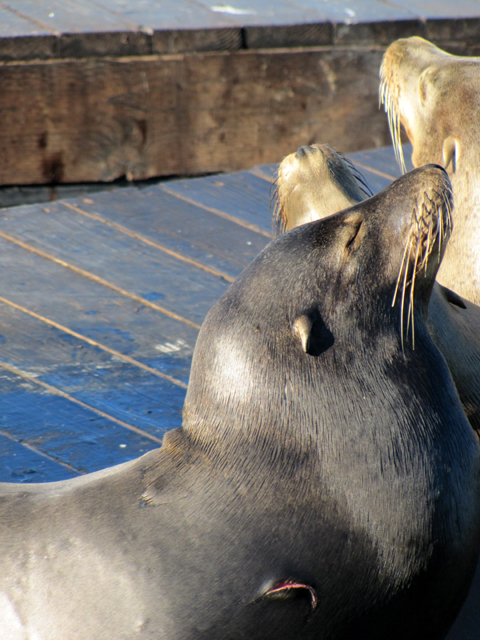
(100, 119)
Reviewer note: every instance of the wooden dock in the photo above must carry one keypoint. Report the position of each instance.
(101, 300)
(95, 90)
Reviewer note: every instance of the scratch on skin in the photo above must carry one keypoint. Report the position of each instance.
(286, 585)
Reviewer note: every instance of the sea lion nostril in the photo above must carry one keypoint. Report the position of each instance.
(301, 152)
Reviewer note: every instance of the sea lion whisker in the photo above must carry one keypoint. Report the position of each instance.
(410, 315)
(404, 286)
(390, 103)
(407, 244)
(359, 177)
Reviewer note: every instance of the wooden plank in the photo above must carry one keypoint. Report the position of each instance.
(442, 8)
(267, 12)
(22, 464)
(380, 32)
(58, 16)
(124, 263)
(309, 34)
(185, 229)
(126, 393)
(352, 11)
(84, 308)
(242, 195)
(79, 438)
(99, 119)
(180, 40)
(14, 24)
(168, 14)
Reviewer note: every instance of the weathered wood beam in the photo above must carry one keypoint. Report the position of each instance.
(96, 119)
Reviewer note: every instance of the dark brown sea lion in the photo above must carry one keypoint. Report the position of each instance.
(325, 482)
(310, 185)
(436, 97)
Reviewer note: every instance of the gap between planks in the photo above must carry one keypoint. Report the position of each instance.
(94, 343)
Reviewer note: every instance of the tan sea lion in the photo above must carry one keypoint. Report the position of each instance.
(310, 185)
(283, 508)
(436, 97)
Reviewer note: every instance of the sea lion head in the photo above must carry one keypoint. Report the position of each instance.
(315, 176)
(435, 96)
(315, 298)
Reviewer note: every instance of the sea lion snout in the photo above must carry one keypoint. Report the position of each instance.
(306, 150)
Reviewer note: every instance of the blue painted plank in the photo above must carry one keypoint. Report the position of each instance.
(125, 262)
(427, 9)
(20, 464)
(167, 14)
(266, 12)
(61, 428)
(72, 17)
(351, 11)
(91, 309)
(180, 226)
(242, 195)
(101, 380)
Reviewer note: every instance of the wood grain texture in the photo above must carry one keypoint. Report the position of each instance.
(98, 119)
(100, 254)
(49, 361)
(184, 230)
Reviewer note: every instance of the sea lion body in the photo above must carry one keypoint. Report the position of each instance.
(436, 97)
(325, 483)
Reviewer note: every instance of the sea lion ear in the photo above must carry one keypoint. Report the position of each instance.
(302, 328)
(313, 334)
(450, 153)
